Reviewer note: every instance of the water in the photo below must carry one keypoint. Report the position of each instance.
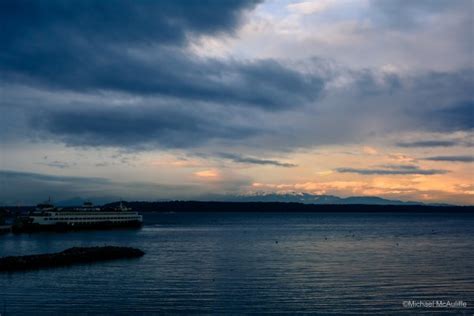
(255, 263)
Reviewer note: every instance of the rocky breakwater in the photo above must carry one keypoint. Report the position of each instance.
(75, 255)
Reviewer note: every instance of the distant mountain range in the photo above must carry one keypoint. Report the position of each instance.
(295, 197)
(307, 198)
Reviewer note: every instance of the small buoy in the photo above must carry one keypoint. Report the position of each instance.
(276, 241)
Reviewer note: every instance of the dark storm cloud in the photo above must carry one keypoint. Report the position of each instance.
(173, 73)
(138, 47)
(89, 50)
(393, 170)
(429, 101)
(256, 161)
(459, 116)
(429, 143)
(137, 127)
(400, 167)
(442, 101)
(415, 103)
(466, 158)
(368, 83)
(114, 20)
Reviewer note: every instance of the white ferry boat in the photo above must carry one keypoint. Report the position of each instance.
(48, 217)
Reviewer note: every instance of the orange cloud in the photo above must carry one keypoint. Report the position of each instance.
(325, 172)
(369, 150)
(210, 173)
(398, 157)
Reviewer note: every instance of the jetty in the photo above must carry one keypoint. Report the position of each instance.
(75, 255)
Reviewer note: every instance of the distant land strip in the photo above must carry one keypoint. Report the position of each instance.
(268, 207)
(199, 206)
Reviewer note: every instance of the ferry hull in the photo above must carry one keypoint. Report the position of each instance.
(62, 227)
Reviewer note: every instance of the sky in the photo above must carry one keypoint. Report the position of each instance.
(148, 100)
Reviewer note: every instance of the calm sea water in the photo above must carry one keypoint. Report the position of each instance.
(255, 263)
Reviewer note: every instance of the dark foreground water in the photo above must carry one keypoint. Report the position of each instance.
(255, 263)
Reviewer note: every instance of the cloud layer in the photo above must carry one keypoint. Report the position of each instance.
(467, 158)
(137, 48)
(101, 52)
(393, 170)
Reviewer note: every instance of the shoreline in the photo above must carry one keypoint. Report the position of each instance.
(259, 207)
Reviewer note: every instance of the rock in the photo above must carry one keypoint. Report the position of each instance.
(68, 257)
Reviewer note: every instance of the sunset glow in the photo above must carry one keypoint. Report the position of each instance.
(325, 97)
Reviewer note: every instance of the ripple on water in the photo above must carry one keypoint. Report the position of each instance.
(228, 263)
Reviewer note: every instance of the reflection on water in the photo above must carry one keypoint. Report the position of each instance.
(224, 263)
